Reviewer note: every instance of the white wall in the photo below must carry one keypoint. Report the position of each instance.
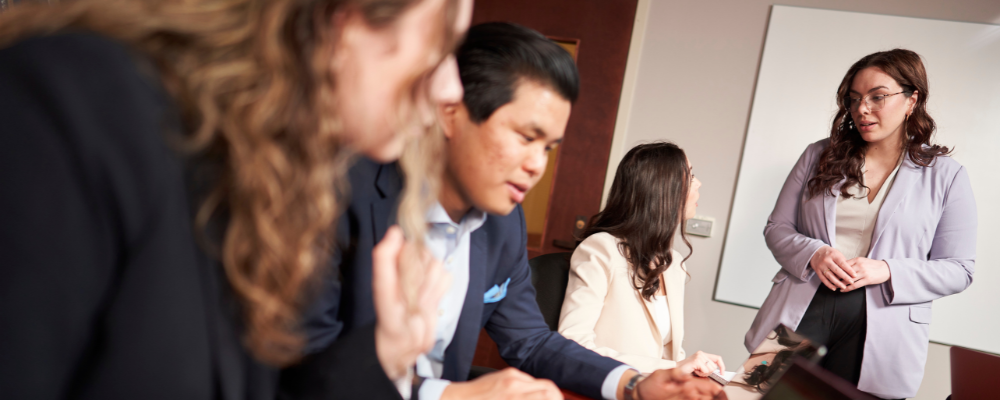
(695, 70)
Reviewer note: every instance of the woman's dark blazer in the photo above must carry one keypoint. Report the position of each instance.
(104, 291)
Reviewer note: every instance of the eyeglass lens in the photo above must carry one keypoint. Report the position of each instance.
(874, 102)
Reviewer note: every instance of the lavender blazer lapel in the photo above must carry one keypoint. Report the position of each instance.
(906, 178)
(830, 210)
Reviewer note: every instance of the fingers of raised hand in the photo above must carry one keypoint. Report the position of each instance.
(718, 362)
(385, 270)
(435, 285)
(702, 364)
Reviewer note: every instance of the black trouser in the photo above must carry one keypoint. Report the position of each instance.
(840, 321)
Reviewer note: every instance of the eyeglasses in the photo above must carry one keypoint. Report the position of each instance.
(874, 102)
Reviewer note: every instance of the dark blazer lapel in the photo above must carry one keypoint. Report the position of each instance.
(905, 179)
(383, 212)
(458, 355)
(389, 184)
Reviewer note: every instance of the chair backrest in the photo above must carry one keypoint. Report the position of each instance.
(549, 276)
(973, 374)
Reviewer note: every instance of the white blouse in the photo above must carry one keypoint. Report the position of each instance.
(662, 314)
(856, 217)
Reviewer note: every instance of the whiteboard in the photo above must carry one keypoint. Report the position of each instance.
(806, 54)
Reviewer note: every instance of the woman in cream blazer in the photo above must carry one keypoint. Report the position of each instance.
(615, 309)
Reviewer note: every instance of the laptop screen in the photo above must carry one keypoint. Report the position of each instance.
(769, 361)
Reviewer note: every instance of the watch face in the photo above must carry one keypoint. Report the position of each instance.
(630, 386)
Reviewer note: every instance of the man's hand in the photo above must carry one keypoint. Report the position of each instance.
(508, 383)
(832, 268)
(403, 331)
(869, 272)
(701, 364)
(677, 384)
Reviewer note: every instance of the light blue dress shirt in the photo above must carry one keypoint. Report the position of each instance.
(450, 242)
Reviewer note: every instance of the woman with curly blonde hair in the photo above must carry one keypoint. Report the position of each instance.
(172, 170)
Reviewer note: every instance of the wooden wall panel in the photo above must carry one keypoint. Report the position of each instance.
(604, 29)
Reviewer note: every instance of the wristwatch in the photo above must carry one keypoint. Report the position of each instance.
(630, 388)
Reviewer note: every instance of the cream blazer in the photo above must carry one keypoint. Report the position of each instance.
(604, 312)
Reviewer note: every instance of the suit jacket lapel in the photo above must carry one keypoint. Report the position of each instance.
(648, 306)
(458, 355)
(389, 184)
(380, 209)
(830, 208)
(905, 179)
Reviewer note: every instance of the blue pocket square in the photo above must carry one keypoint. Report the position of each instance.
(496, 293)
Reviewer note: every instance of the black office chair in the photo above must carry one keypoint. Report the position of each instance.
(549, 276)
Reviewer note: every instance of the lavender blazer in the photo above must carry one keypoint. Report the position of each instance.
(926, 232)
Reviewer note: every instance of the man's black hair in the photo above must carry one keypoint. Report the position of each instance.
(497, 55)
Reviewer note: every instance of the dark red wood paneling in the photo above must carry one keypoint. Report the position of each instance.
(604, 28)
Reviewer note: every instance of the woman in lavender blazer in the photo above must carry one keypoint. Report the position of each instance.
(872, 225)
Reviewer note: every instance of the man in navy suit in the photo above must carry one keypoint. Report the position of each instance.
(519, 87)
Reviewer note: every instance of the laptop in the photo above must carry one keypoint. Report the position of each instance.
(804, 380)
(767, 363)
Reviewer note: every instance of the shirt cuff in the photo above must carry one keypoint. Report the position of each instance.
(432, 389)
(609, 390)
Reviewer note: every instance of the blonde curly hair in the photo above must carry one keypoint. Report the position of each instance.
(251, 81)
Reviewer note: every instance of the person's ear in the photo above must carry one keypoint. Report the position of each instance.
(912, 101)
(449, 115)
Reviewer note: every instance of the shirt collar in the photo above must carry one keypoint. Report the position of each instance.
(471, 221)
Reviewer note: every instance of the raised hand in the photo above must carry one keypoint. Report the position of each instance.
(404, 329)
(701, 364)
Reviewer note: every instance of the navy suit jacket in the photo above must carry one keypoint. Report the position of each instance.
(498, 251)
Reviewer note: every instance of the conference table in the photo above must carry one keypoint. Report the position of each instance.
(568, 395)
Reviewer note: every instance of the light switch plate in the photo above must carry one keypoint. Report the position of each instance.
(700, 226)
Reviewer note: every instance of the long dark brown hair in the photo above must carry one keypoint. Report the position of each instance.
(252, 81)
(644, 210)
(845, 154)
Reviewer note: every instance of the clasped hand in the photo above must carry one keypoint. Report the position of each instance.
(838, 273)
